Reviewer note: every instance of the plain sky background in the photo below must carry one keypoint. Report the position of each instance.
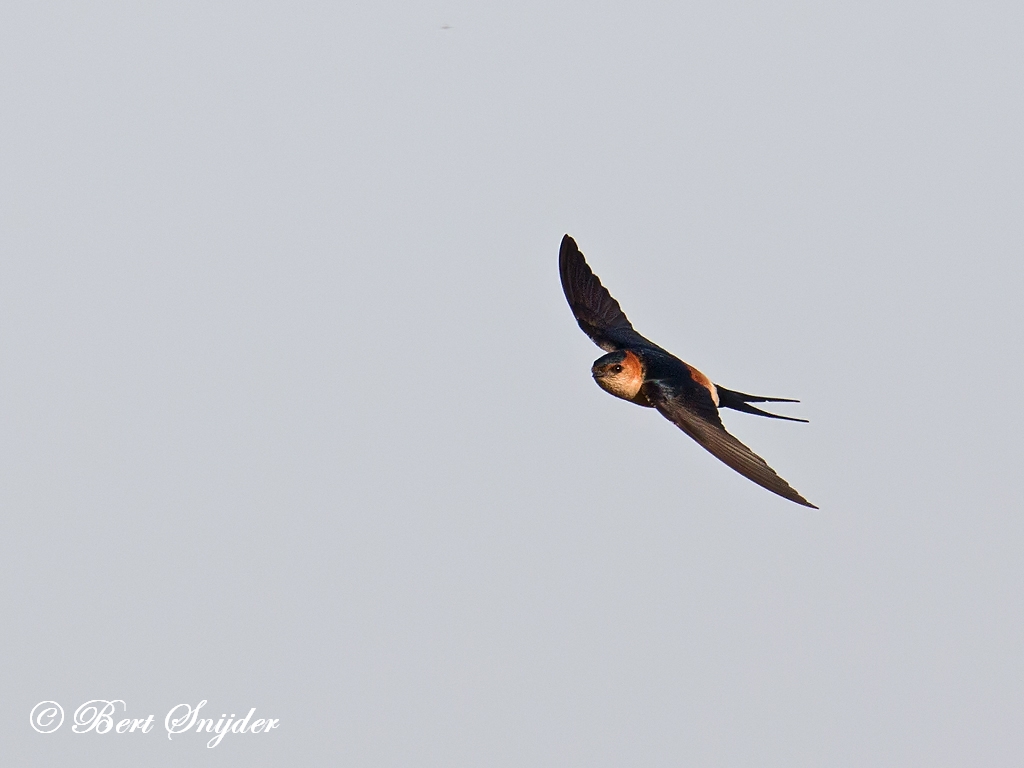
(294, 416)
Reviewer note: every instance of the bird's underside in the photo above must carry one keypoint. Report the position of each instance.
(638, 370)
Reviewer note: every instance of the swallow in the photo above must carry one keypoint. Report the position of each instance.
(638, 370)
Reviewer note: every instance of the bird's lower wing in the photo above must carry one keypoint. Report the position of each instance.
(705, 426)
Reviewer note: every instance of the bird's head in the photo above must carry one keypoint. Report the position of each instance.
(621, 373)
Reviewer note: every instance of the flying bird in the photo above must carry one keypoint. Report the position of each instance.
(641, 372)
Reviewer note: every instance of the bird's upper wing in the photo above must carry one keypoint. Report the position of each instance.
(698, 417)
(597, 313)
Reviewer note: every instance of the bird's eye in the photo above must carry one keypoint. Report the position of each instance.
(616, 369)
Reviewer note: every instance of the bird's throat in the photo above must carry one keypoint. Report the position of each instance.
(626, 387)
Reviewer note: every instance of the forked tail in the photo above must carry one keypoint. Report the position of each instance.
(739, 401)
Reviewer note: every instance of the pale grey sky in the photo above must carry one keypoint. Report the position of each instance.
(294, 416)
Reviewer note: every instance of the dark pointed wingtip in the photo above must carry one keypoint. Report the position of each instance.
(569, 259)
(789, 493)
